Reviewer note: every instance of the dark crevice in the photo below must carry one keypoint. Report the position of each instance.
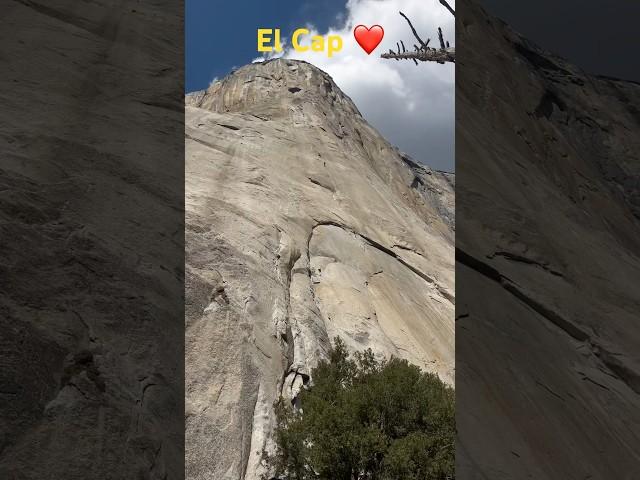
(565, 325)
(219, 295)
(80, 362)
(620, 371)
(230, 127)
(205, 143)
(480, 267)
(102, 31)
(144, 391)
(166, 105)
(549, 390)
(391, 253)
(538, 60)
(545, 106)
(316, 182)
(510, 286)
(416, 183)
(522, 259)
(411, 164)
(591, 380)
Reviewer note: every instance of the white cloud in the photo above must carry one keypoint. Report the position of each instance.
(273, 54)
(412, 106)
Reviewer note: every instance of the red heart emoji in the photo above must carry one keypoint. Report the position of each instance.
(368, 38)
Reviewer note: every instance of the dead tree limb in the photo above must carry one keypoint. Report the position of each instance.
(430, 55)
(448, 7)
(415, 34)
(423, 52)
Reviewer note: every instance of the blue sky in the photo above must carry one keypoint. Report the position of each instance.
(221, 35)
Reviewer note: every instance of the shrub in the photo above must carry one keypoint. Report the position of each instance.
(366, 419)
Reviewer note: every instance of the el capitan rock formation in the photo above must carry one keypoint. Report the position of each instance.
(303, 223)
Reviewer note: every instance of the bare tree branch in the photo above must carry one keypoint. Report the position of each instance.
(430, 55)
(423, 52)
(415, 34)
(448, 7)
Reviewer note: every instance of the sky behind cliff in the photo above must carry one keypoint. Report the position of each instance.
(599, 36)
(412, 106)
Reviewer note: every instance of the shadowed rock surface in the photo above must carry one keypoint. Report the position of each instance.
(303, 223)
(548, 251)
(91, 262)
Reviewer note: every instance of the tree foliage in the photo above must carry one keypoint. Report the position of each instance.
(366, 419)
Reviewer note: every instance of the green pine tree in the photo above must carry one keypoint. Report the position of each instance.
(365, 419)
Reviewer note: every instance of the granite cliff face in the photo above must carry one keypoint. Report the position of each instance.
(547, 357)
(303, 223)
